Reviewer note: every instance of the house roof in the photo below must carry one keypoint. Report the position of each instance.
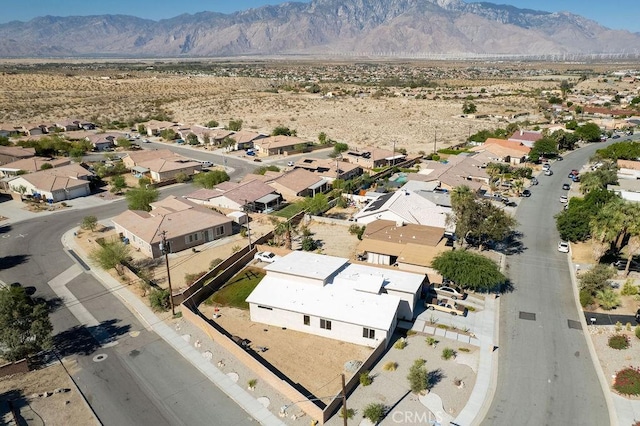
(168, 164)
(409, 206)
(66, 177)
(325, 166)
(298, 180)
(17, 151)
(267, 177)
(177, 217)
(525, 135)
(245, 137)
(280, 141)
(240, 193)
(628, 164)
(389, 231)
(307, 265)
(146, 155)
(513, 147)
(105, 137)
(356, 274)
(33, 164)
(413, 254)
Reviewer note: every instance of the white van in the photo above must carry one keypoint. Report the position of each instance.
(205, 163)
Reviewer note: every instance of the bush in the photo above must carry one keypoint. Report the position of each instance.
(365, 378)
(448, 353)
(431, 341)
(464, 350)
(627, 381)
(608, 299)
(586, 298)
(374, 412)
(595, 280)
(390, 366)
(308, 244)
(215, 262)
(418, 377)
(192, 278)
(159, 300)
(628, 289)
(619, 341)
(400, 344)
(349, 414)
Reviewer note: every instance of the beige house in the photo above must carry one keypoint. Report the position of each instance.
(371, 158)
(504, 151)
(30, 165)
(54, 185)
(10, 154)
(185, 224)
(299, 183)
(275, 145)
(155, 127)
(253, 195)
(328, 168)
(160, 165)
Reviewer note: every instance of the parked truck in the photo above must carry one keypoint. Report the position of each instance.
(445, 305)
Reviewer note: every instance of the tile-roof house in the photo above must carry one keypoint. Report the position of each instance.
(328, 168)
(68, 124)
(504, 151)
(31, 164)
(245, 139)
(406, 207)
(155, 127)
(526, 137)
(252, 195)
(274, 145)
(160, 165)
(299, 183)
(58, 184)
(9, 154)
(186, 225)
(370, 158)
(410, 247)
(101, 141)
(327, 296)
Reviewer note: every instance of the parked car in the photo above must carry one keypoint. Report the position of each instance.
(534, 181)
(526, 193)
(446, 305)
(289, 163)
(546, 166)
(564, 199)
(448, 291)
(251, 153)
(621, 264)
(563, 247)
(616, 136)
(548, 172)
(566, 186)
(573, 173)
(576, 178)
(559, 158)
(266, 256)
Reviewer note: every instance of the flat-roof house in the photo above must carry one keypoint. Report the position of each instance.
(36, 129)
(30, 165)
(627, 189)
(54, 185)
(275, 145)
(186, 224)
(326, 296)
(9, 154)
(371, 158)
(8, 130)
(328, 168)
(299, 183)
(406, 207)
(253, 195)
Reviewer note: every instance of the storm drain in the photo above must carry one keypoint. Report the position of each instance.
(574, 324)
(529, 316)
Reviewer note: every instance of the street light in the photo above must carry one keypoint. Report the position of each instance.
(165, 248)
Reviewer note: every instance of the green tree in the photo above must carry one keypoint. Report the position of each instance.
(141, 129)
(4, 141)
(374, 412)
(118, 183)
(234, 125)
(469, 108)
(212, 123)
(210, 179)
(282, 131)
(76, 154)
(46, 166)
(144, 182)
(418, 377)
(159, 300)
(110, 254)
(25, 328)
(168, 135)
(192, 139)
(627, 150)
(544, 146)
(141, 198)
(123, 142)
(90, 223)
(565, 87)
(573, 223)
(284, 230)
(608, 299)
(469, 270)
(228, 143)
(316, 205)
(339, 148)
(589, 132)
(571, 125)
(564, 140)
(322, 138)
(595, 279)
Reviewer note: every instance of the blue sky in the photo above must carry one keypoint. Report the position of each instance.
(617, 14)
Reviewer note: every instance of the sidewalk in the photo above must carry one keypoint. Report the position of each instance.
(152, 322)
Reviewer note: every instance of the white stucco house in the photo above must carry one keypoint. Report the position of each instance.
(328, 297)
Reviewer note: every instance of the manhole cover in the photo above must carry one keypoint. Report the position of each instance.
(575, 324)
(529, 316)
(100, 357)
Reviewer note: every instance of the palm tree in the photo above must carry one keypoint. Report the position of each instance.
(286, 230)
(518, 185)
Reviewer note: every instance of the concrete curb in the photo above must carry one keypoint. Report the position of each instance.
(613, 416)
(244, 400)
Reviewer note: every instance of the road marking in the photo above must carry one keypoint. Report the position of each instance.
(59, 286)
(100, 357)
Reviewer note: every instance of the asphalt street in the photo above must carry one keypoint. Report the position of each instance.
(545, 375)
(131, 377)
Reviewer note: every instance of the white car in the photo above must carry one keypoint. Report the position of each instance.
(548, 172)
(546, 166)
(451, 292)
(289, 163)
(563, 247)
(563, 199)
(266, 256)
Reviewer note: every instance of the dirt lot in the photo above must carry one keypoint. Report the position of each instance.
(65, 408)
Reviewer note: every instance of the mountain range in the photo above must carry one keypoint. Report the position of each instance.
(401, 28)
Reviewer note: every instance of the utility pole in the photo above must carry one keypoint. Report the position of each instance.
(435, 139)
(344, 402)
(246, 207)
(164, 246)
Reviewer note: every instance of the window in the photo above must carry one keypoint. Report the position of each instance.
(219, 230)
(368, 333)
(326, 324)
(306, 319)
(265, 307)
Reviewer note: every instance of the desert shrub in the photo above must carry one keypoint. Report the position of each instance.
(365, 378)
(252, 383)
(400, 344)
(159, 300)
(448, 353)
(374, 412)
(608, 299)
(411, 333)
(349, 414)
(431, 341)
(595, 280)
(637, 331)
(215, 262)
(586, 298)
(308, 244)
(192, 278)
(464, 350)
(357, 230)
(619, 341)
(627, 381)
(628, 289)
(418, 377)
(390, 366)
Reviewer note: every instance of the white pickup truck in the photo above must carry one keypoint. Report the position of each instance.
(445, 305)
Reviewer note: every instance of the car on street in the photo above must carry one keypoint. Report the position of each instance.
(446, 305)
(289, 163)
(559, 158)
(546, 166)
(616, 136)
(573, 173)
(448, 291)
(564, 199)
(576, 178)
(266, 256)
(534, 181)
(566, 186)
(526, 193)
(548, 172)
(563, 247)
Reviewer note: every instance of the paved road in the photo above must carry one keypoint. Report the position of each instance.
(545, 375)
(142, 380)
